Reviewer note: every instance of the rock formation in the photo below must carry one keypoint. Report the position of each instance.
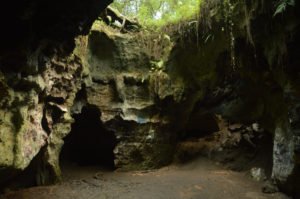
(239, 62)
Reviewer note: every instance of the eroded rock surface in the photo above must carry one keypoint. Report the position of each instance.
(135, 102)
(39, 77)
(152, 91)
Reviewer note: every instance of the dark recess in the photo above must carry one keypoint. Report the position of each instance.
(89, 143)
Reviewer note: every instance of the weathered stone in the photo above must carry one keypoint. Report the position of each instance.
(7, 140)
(235, 127)
(283, 163)
(269, 187)
(129, 95)
(31, 137)
(258, 174)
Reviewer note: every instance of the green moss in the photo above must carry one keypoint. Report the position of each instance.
(197, 63)
(7, 139)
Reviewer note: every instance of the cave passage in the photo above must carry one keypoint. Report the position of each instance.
(89, 143)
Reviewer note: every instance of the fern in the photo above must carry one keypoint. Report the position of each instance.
(281, 6)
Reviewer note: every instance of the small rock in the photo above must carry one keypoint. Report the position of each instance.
(258, 174)
(269, 187)
(256, 128)
(235, 127)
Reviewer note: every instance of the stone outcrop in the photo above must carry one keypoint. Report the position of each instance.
(246, 70)
(39, 77)
(135, 102)
(36, 113)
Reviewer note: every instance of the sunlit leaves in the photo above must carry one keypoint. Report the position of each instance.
(158, 12)
(281, 6)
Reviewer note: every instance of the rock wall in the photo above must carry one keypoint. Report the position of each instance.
(242, 60)
(138, 102)
(135, 102)
(36, 113)
(39, 77)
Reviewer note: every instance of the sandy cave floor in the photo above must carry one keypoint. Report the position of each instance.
(200, 179)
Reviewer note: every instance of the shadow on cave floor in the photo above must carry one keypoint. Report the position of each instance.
(201, 178)
(88, 153)
(237, 147)
(195, 179)
(89, 144)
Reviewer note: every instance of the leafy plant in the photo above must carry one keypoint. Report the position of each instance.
(282, 5)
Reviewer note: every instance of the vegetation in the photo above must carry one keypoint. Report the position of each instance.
(158, 13)
(281, 6)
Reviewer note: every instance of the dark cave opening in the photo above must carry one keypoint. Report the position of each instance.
(89, 143)
(201, 125)
(238, 147)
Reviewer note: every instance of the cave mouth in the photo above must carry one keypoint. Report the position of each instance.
(89, 143)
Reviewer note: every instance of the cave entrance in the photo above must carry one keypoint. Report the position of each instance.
(201, 125)
(89, 143)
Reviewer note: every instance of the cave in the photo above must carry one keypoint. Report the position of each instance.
(117, 98)
(201, 125)
(89, 143)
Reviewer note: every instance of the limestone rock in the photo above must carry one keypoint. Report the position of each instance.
(269, 187)
(130, 97)
(258, 174)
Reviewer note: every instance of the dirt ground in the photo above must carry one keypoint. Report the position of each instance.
(200, 179)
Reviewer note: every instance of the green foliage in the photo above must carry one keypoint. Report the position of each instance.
(282, 5)
(158, 13)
